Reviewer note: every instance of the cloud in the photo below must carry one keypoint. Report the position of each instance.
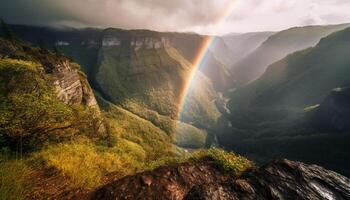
(154, 14)
(176, 15)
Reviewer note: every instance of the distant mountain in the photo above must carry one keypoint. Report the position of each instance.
(241, 44)
(301, 79)
(221, 51)
(297, 109)
(278, 46)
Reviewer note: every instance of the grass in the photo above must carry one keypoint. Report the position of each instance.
(188, 136)
(130, 145)
(13, 179)
(133, 141)
(85, 163)
(227, 161)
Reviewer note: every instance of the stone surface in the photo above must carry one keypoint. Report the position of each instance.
(164, 183)
(278, 180)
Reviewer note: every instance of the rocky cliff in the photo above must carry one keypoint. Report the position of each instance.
(71, 84)
(282, 179)
(144, 68)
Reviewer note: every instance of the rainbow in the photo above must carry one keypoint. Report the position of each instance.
(200, 57)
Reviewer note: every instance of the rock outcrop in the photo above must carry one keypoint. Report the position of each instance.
(281, 179)
(163, 183)
(71, 85)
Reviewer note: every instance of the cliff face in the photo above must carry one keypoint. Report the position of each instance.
(281, 179)
(71, 85)
(278, 180)
(333, 113)
(142, 70)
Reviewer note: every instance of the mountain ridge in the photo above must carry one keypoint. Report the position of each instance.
(278, 46)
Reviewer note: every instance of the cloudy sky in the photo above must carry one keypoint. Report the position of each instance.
(177, 15)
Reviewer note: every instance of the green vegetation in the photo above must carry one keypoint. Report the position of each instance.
(29, 106)
(13, 179)
(227, 161)
(148, 82)
(189, 137)
(277, 115)
(278, 46)
(85, 163)
(31, 114)
(6, 31)
(298, 81)
(40, 133)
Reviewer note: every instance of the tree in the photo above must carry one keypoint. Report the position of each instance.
(7, 31)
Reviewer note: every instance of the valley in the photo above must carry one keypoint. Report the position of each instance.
(106, 113)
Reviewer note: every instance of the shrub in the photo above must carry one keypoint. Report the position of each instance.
(31, 113)
(29, 105)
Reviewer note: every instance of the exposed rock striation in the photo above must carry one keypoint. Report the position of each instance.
(281, 179)
(71, 85)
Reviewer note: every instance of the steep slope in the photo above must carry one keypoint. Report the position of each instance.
(241, 44)
(299, 80)
(143, 68)
(83, 45)
(333, 113)
(221, 51)
(218, 73)
(43, 96)
(111, 68)
(281, 179)
(270, 117)
(71, 85)
(278, 46)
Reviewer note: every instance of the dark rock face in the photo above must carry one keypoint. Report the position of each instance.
(334, 112)
(278, 180)
(164, 183)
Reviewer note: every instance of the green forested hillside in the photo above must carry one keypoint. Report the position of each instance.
(291, 111)
(40, 132)
(301, 79)
(142, 69)
(278, 46)
(135, 70)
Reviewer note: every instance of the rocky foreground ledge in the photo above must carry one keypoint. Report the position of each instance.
(282, 179)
